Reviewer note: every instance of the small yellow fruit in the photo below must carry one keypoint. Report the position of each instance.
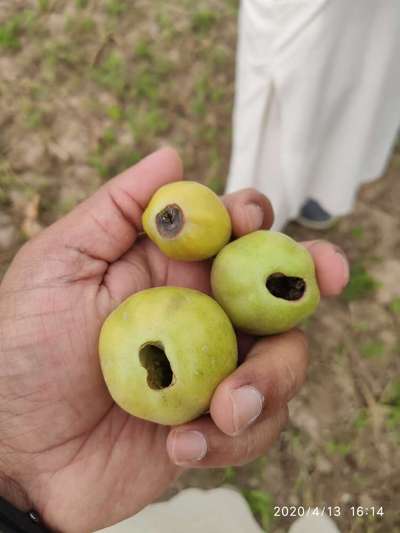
(164, 351)
(187, 221)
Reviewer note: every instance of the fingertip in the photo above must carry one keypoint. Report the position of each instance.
(331, 265)
(237, 408)
(221, 409)
(250, 211)
(186, 445)
(166, 160)
(170, 154)
(140, 181)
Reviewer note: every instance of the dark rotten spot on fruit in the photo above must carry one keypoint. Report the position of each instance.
(169, 221)
(154, 360)
(285, 287)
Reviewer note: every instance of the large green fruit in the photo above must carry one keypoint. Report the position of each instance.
(163, 352)
(266, 282)
(187, 221)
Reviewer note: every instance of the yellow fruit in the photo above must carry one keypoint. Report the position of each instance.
(187, 221)
(164, 351)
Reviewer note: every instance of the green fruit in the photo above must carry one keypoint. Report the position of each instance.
(163, 352)
(187, 221)
(266, 282)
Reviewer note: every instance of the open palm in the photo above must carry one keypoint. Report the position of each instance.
(65, 448)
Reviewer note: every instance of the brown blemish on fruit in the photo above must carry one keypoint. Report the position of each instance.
(170, 221)
(286, 287)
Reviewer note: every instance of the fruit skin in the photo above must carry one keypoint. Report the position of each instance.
(206, 221)
(238, 279)
(198, 339)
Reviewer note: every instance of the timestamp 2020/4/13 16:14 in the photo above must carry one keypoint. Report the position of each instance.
(356, 511)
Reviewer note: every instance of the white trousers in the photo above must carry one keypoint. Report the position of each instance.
(317, 102)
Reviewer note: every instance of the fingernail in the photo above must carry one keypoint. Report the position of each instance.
(255, 215)
(188, 446)
(247, 404)
(345, 265)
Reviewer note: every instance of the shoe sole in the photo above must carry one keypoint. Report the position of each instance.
(317, 225)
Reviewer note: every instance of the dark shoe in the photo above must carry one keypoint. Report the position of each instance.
(313, 216)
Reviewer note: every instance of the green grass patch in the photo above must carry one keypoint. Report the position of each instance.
(216, 184)
(361, 284)
(34, 117)
(116, 8)
(147, 124)
(10, 33)
(335, 447)
(392, 400)
(80, 26)
(206, 94)
(66, 205)
(361, 327)
(262, 506)
(44, 5)
(115, 112)
(146, 85)
(100, 165)
(357, 232)
(57, 54)
(219, 56)
(111, 73)
(109, 137)
(203, 21)
(229, 474)
(361, 420)
(81, 4)
(372, 349)
(149, 81)
(393, 419)
(110, 159)
(394, 306)
(143, 50)
(167, 26)
(7, 180)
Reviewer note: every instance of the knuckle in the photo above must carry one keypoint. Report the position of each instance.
(243, 451)
(290, 382)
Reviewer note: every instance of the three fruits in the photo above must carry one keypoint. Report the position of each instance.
(164, 350)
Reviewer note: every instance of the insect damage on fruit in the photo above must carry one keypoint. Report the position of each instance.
(266, 283)
(170, 221)
(153, 358)
(286, 287)
(164, 351)
(187, 221)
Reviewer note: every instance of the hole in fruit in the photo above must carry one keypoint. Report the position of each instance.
(154, 360)
(286, 287)
(169, 221)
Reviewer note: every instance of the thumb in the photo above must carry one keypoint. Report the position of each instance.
(106, 225)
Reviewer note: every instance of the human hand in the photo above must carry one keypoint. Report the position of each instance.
(65, 448)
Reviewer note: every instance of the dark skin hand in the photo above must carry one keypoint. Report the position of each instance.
(66, 448)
